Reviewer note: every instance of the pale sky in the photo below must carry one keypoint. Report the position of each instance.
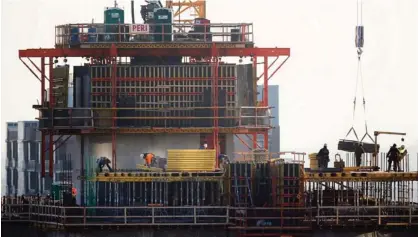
(316, 84)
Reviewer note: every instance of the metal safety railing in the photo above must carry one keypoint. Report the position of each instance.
(289, 218)
(366, 215)
(112, 216)
(76, 34)
(262, 155)
(84, 118)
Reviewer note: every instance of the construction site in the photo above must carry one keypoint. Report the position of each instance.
(164, 87)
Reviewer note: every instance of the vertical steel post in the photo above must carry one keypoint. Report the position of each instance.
(43, 149)
(113, 54)
(266, 98)
(215, 65)
(51, 105)
(82, 171)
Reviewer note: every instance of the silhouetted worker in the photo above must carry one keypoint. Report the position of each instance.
(359, 151)
(101, 162)
(393, 156)
(149, 159)
(323, 157)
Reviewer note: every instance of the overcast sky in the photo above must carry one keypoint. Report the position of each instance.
(316, 84)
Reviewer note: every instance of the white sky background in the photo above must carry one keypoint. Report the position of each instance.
(316, 84)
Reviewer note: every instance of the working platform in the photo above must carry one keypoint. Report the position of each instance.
(158, 176)
(361, 176)
(224, 35)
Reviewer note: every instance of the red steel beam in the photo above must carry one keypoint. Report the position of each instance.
(192, 52)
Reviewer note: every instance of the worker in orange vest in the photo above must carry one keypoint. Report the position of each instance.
(149, 159)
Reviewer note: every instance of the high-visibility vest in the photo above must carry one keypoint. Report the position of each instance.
(74, 191)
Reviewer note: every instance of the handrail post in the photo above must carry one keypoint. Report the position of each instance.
(227, 215)
(410, 215)
(84, 214)
(194, 215)
(379, 217)
(124, 213)
(152, 211)
(338, 216)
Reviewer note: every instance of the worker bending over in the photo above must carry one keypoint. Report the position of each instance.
(323, 157)
(393, 156)
(149, 159)
(359, 151)
(101, 162)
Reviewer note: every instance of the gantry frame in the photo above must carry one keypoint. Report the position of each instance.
(197, 8)
(113, 52)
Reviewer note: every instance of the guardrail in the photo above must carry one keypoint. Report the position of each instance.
(115, 216)
(76, 34)
(299, 217)
(81, 118)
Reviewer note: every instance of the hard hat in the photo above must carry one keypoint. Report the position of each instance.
(402, 147)
(325, 144)
(141, 156)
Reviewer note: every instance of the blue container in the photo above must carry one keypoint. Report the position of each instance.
(74, 36)
(92, 35)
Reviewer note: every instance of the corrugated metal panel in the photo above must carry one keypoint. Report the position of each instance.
(191, 160)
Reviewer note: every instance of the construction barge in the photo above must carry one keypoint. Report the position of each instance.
(163, 87)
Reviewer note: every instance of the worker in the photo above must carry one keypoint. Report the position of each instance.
(223, 160)
(204, 146)
(402, 153)
(149, 159)
(101, 162)
(323, 157)
(359, 151)
(393, 156)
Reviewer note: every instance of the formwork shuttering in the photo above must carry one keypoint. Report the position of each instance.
(160, 92)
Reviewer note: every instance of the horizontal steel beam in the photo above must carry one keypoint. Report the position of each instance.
(193, 52)
(362, 176)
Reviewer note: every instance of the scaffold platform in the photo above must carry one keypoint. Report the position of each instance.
(361, 176)
(138, 176)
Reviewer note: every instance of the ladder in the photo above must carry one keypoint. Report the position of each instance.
(243, 198)
(247, 200)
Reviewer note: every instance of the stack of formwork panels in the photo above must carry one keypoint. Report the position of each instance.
(60, 81)
(191, 160)
(161, 92)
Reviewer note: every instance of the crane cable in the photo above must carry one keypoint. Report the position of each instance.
(359, 41)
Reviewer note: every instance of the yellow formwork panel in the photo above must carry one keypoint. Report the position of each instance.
(191, 160)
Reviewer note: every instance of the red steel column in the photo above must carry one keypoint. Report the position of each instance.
(266, 97)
